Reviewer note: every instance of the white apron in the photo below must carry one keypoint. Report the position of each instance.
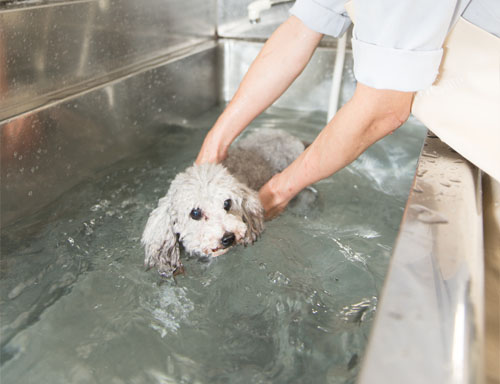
(462, 107)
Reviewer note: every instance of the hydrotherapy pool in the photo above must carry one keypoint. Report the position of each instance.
(297, 306)
(77, 305)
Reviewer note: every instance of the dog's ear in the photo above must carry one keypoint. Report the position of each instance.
(160, 241)
(253, 214)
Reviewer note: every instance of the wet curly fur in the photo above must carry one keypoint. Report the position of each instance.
(224, 199)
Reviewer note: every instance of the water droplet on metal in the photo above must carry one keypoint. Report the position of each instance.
(429, 154)
(428, 216)
(422, 172)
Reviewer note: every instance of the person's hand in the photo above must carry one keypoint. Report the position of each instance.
(273, 199)
(267, 78)
(212, 150)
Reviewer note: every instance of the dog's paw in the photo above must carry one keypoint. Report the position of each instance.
(254, 230)
(165, 268)
(165, 259)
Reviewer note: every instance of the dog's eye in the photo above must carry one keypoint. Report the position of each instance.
(227, 204)
(196, 214)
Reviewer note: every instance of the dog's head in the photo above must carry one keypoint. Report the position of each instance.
(206, 209)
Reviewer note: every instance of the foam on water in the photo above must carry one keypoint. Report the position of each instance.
(296, 307)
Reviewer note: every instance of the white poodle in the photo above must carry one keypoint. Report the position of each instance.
(211, 207)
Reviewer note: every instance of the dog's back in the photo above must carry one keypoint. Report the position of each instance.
(254, 159)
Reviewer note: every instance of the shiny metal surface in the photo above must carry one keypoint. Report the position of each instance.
(310, 92)
(49, 50)
(46, 152)
(491, 213)
(51, 149)
(429, 325)
(255, 8)
(233, 22)
(232, 19)
(84, 83)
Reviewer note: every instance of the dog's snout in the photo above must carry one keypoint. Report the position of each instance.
(228, 239)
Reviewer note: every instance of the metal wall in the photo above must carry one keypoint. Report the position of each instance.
(232, 19)
(429, 326)
(49, 50)
(309, 92)
(84, 83)
(48, 151)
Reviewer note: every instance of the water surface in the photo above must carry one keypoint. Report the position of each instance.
(296, 307)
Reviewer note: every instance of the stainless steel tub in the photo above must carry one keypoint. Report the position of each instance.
(429, 326)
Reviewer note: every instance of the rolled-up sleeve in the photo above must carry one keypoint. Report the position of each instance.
(398, 69)
(397, 44)
(324, 16)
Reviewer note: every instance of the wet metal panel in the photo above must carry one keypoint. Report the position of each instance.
(234, 20)
(49, 50)
(429, 326)
(310, 91)
(46, 152)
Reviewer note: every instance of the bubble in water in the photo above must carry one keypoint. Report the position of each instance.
(88, 229)
(358, 312)
(100, 205)
(278, 278)
(171, 310)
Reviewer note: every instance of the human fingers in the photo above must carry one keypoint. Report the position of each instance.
(271, 202)
(211, 151)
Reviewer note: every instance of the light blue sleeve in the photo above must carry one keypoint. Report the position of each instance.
(324, 16)
(485, 14)
(397, 44)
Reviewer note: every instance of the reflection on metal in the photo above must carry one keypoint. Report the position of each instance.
(338, 70)
(491, 209)
(429, 325)
(255, 8)
(50, 50)
(233, 19)
(310, 92)
(46, 152)
(84, 83)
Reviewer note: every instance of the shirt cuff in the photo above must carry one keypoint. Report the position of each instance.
(398, 69)
(320, 19)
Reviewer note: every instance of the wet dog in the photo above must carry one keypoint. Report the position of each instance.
(211, 207)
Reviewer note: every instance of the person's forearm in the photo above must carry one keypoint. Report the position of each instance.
(370, 115)
(280, 61)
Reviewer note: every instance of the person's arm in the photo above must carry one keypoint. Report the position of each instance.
(369, 116)
(281, 60)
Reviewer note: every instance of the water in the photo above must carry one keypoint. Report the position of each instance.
(296, 307)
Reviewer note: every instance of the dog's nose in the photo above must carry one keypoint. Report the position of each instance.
(228, 239)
